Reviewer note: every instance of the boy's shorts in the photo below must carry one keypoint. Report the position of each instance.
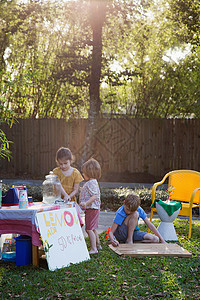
(121, 233)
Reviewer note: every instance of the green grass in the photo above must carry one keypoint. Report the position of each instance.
(109, 276)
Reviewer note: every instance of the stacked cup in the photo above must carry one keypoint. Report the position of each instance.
(23, 199)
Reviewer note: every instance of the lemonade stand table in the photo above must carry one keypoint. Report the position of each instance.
(22, 221)
(167, 212)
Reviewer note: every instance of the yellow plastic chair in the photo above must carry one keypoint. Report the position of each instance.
(186, 184)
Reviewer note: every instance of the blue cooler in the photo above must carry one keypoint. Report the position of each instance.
(23, 250)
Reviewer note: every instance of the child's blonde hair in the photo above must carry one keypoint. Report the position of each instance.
(132, 201)
(92, 169)
(64, 153)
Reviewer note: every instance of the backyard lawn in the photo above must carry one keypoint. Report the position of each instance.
(109, 276)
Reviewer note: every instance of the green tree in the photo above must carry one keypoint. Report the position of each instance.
(7, 117)
(146, 84)
(44, 64)
(61, 55)
(185, 14)
(145, 38)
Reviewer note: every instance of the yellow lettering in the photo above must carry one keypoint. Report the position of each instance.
(48, 233)
(75, 217)
(53, 229)
(46, 222)
(52, 219)
(61, 221)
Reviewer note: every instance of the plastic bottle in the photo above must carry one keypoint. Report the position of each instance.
(51, 189)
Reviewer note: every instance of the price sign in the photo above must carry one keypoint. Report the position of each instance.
(62, 238)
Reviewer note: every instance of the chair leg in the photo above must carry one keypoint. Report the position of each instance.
(190, 227)
(151, 216)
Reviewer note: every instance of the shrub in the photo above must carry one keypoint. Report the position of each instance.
(111, 199)
(33, 190)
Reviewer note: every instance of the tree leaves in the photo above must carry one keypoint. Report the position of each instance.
(55, 56)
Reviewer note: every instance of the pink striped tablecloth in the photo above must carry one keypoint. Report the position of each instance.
(22, 221)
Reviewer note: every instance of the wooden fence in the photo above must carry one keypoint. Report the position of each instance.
(122, 145)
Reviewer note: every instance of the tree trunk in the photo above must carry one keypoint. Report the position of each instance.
(97, 18)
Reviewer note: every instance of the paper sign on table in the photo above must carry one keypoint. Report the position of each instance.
(62, 237)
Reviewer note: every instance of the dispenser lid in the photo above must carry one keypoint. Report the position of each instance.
(51, 176)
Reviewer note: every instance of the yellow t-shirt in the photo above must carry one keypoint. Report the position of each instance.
(68, 181)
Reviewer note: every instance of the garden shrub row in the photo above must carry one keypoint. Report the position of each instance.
(111, 199)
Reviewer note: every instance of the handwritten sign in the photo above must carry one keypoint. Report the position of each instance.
(62, 237)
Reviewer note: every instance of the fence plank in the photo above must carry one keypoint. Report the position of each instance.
(122, 145)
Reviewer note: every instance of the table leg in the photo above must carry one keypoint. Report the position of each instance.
(35, 256)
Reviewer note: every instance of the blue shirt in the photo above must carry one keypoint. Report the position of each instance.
(120, 215)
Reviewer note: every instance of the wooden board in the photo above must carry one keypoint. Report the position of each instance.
(142, 249)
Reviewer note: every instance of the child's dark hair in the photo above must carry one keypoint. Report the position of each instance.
(92, 169)
(132, 201)
(64, 153)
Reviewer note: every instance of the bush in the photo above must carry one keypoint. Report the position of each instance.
(33, 190)
(111, 199)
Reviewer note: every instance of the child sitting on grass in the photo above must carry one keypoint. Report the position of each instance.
(125, 225)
